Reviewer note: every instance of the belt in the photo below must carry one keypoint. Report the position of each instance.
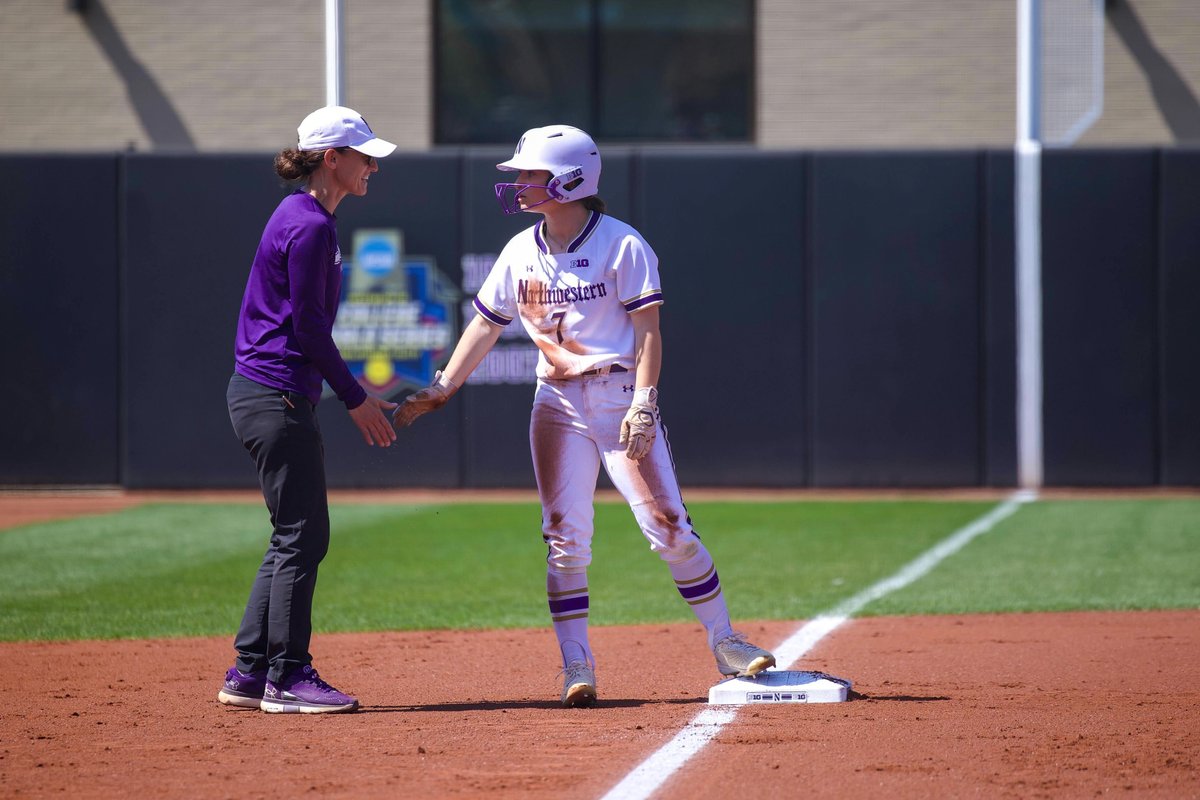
(609, 370)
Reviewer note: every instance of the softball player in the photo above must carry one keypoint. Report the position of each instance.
(585, 287)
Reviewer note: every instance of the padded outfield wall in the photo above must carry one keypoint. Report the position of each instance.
(832, 319)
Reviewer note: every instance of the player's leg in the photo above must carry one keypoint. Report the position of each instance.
(273, 640)
(566, 465)
(652, 491)
(651, 488)
(293, 476)
(253, 413)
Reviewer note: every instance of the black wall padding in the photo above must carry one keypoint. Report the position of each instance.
(730, 236)
(191, 228)
(831, 318)
(896, 277)
(61, 318)
(1101, 322)
(1179, 209)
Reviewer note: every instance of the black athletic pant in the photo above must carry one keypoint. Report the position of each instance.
(280, 431)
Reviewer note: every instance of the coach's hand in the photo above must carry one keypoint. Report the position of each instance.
(431, 398)
(639, 428)
(373, 422)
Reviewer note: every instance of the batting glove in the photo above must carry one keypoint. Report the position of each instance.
(431, 398)
(638, 429)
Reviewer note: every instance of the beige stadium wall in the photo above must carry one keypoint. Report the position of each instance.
(1152, 75)
(942, 73)
(886, 73)
(217, 75)
(232, 75)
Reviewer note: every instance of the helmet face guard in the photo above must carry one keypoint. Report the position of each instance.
(508, 194)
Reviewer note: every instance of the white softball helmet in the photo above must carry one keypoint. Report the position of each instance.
(570, 156)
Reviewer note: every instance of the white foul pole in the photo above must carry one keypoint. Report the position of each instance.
(333, 52)
(1028, 209)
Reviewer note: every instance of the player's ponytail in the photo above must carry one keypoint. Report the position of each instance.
(297, 165)
(595, 203)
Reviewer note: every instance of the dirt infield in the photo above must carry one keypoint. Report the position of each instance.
(1024, 705)
(1036, 705)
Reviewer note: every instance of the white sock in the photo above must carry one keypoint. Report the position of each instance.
(699, 585)
(567, 595)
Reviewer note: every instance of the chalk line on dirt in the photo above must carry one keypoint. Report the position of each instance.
(647, 777)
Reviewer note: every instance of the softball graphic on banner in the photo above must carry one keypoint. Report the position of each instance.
(396, 317)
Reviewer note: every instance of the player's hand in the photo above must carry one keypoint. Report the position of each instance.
(373, 422)
(639, 427)
(431, 398)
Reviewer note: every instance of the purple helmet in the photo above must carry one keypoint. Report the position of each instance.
(570, 156)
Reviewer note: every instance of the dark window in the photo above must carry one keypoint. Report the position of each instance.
(667, 70)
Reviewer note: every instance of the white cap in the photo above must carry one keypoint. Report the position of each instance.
(338, 126)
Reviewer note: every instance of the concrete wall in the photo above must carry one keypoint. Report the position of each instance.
(882, 73)
(221, 75)
(172, 75)
(878, 73)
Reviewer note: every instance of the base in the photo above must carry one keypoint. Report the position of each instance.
(780, 686)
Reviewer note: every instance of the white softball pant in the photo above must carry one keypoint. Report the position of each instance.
(574, 428)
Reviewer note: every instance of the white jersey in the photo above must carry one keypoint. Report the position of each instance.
(574, 305)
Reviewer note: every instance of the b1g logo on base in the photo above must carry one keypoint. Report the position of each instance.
(579, 263)
(396, 316)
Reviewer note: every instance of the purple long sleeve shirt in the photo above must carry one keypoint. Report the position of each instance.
(285, 330)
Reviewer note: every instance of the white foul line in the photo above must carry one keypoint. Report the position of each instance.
(647, 777)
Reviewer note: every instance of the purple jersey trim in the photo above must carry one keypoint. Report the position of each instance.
(651, 299)
(579, 240)
(489, 315)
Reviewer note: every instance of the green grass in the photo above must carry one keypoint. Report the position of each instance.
(185, 569)
(1069, 555)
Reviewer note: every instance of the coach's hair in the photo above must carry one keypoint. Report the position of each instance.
(296, 165)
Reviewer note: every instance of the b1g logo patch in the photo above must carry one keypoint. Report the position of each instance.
(579, 263)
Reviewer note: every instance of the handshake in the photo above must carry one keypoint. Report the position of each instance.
(431, 398)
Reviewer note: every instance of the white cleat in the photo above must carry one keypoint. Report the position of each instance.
(579, 685)
(736, 656)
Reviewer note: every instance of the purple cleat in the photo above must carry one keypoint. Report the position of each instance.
(242, 690)
(303, 691)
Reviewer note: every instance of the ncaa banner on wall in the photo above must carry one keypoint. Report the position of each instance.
(395, 323)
